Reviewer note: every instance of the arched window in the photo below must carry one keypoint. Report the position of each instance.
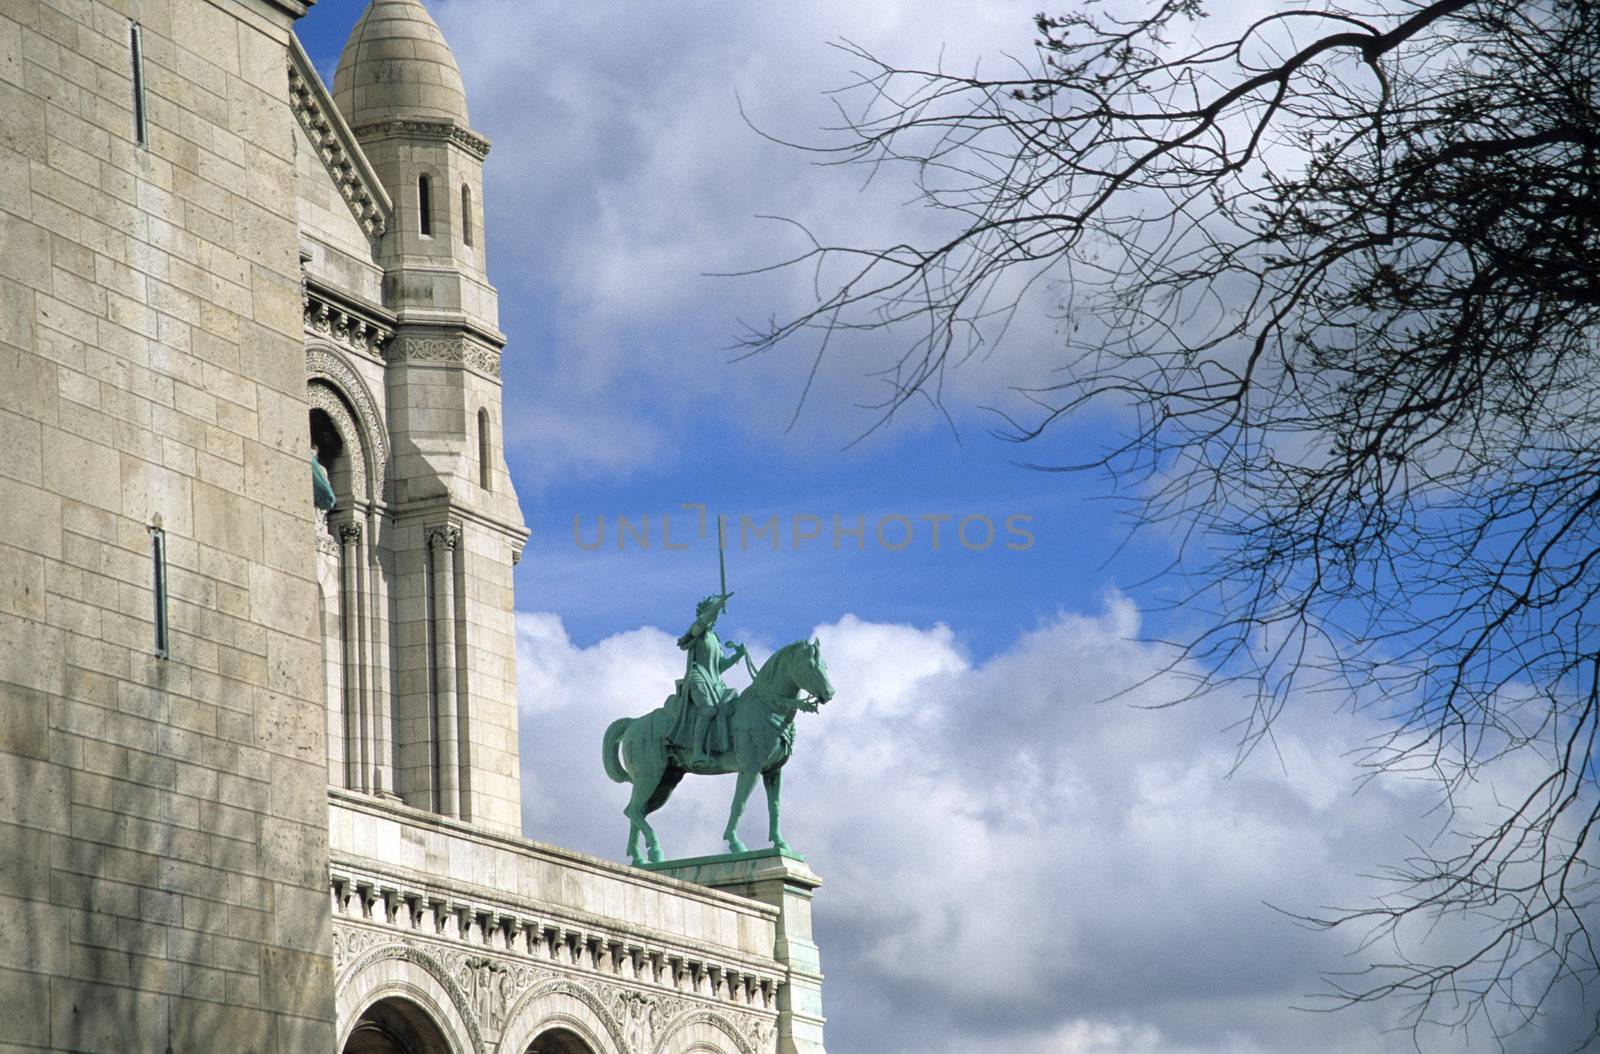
(485, 471)
(425, 205)
(466, 214)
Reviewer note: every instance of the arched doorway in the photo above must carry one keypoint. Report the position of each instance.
(559, 1041)
(395, 1026)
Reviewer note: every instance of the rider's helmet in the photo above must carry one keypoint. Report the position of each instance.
(705, 613)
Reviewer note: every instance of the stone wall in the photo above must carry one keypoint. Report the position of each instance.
(163, 839)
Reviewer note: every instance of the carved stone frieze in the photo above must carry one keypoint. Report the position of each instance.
(349, 943)
(640, 1017)
(498, 964)
(450, 350)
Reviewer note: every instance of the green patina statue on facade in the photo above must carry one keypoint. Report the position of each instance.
(322, 495)
(706, 728)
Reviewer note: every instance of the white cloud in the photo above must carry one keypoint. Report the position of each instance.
(624, 173)
(1012, 865)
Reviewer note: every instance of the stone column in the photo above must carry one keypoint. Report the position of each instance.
(782, 880)
(357, 766)
(377, 601)
(442, 541)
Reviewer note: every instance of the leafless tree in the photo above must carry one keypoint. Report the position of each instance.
(1340, 268)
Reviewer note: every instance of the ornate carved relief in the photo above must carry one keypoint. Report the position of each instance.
(452, 350)
(326, 399)
(590, 995)
(409, 952)
(327, 365)
(445, 537)
(749, 1035)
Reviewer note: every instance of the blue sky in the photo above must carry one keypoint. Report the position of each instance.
(699, 428)
(1011, 863)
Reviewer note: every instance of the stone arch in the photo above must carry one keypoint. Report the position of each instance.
(562, 1003)
(395, 1025)
(330, 378)
(407, 972)
(704, 1032)
(357, 450)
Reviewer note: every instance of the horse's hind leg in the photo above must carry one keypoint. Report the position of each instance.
(774, 784)
(644, 787)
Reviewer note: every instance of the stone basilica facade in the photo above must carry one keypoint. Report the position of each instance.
(259, 762)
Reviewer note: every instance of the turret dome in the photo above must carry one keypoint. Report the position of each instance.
(397, 65)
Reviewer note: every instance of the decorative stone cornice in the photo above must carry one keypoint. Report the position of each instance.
(450, 351)
(501, 950)
(336, 145)
(343, 323)
(422, 128)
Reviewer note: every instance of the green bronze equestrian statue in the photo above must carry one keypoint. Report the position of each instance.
(708, 729)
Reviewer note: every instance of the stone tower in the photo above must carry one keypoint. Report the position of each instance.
(456, 525)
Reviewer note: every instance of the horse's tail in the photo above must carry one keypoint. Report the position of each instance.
(609, 751)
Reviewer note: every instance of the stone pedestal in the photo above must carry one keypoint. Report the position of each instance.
(781, 879)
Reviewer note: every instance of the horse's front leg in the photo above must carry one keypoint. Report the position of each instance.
(774, 784)
(741, 794)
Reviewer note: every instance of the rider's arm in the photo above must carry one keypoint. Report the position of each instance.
(725, 662)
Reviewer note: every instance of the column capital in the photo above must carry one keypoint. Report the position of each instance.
(350, 533)
(446, 536)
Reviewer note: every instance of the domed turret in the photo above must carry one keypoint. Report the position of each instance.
(396, 65)
(401, 91)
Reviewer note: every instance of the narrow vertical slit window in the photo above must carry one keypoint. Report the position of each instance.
(158, 566)
(466, 214)
(425, 206)
(141, 128)
(485, 473)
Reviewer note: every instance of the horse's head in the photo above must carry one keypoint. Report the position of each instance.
(810, 673)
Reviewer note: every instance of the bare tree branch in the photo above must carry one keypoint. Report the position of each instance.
(1341, 272)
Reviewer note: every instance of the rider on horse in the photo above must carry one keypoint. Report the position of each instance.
(702, 724)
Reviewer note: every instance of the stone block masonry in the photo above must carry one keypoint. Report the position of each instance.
(163, 824)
